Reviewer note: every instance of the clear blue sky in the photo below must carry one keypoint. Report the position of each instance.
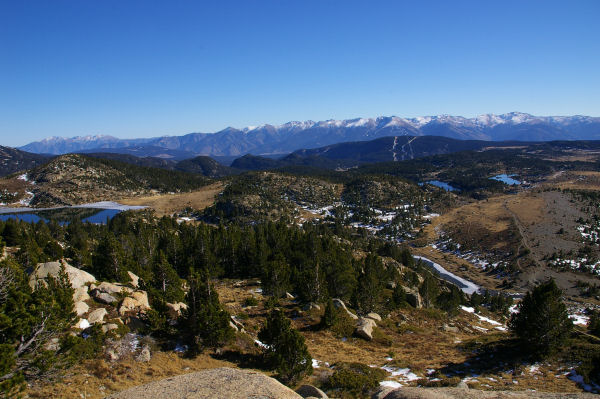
(150, 68)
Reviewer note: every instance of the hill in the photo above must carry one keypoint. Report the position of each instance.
(75, 179)
(205, 166)
(13, 160)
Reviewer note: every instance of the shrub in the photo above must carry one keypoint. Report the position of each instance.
(250, 301)
(356, 378)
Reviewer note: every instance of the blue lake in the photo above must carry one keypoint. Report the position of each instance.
(87, 214)
(506, 179)
(443, 185)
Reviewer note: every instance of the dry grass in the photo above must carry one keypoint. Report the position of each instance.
(98, 378)
(167, 204)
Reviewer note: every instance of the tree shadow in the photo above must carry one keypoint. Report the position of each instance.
(502, 356)
(242, 360)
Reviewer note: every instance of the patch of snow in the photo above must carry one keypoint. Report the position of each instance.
(23, 177)
(573, 376)
(257, 342)
(466, 286)
(83, 324)
(579, 319)
(391, 384)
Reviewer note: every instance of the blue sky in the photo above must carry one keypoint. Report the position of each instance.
(151, 68)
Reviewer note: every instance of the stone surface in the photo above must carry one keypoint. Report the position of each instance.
(289, 296)
(81, 308)
(222, 383)
(413, 297)
(135, 280)
(103, 297)
(137, 301)
(113, 288)
(77, 278)
(97, 316)
(448, 328)
(144, 355)
(174, 309)
(365, 327)
(311, 306)
(459, 393)
(339, 304)
(81, 294)
(373, 316)
(307, 391)
(109, 327)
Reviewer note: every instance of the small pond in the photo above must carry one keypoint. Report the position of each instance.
(506, 179)
(442, 185)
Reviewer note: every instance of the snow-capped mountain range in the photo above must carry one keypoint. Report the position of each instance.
(288, 137)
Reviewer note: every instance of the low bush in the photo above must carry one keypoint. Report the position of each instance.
(356, 379)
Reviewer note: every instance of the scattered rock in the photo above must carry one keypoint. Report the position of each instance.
(137, 301)
(81, 308)
(339, 304)
(365, 328)
(289, 296)
(462, 385)
(232, 325)
(135, 280)
(311, 306)
(103, 297)
(448, 328)
(112, 355)
(222, 383)
(307, 391)
(77, 278)
(413, 297)
(373, 316)
(97, 316)
(144, 355)
(113, 288)
(109, 327)
(174, 309)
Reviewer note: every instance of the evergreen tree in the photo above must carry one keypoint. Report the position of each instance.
(330, 315)
(205, 322)
(166, 280)
(370, 285)
(108, 261)
(286, 351)
(429, 290)
(542, 323)
(275, 278)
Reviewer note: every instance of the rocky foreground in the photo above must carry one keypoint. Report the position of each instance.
(228, 383)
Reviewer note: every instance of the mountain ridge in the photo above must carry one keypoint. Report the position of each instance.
(291, 136)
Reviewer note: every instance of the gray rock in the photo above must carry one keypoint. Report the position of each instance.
(109, 327)
(103, 297)
(97, 316)
(462, 385)
(113, 288)
(135, 280)
(307, 391)
(81, 294)
(289, 296)
(365, 328)
(222, 383)
(413, 297)
(448, 328)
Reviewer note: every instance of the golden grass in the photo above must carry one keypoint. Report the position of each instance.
(167, 204)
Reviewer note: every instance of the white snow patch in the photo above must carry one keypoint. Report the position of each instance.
(391, 384)
(579, 319)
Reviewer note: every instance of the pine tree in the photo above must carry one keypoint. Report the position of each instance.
(205, 322)
(429, 290)
(286, 351)
(542, 323)
(275, 278)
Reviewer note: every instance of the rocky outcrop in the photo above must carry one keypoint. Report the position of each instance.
(78, 278)
(144, 355)
(135, 280)
(365, 327)
(222, 383)
(459, 393)
(113, 288)
(373, 316)
(81, 308)
(413, 297)
(339, 304)
(137, 301)
(103, 297)
(81, 294)
(308, 391)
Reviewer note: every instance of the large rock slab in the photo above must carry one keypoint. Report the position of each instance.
(78, 278)
(81, 308)
(365, 328)
(174, 310)
(97, 316)
(222, 383)
(137, 301)
(113, 288)
(309, 391)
